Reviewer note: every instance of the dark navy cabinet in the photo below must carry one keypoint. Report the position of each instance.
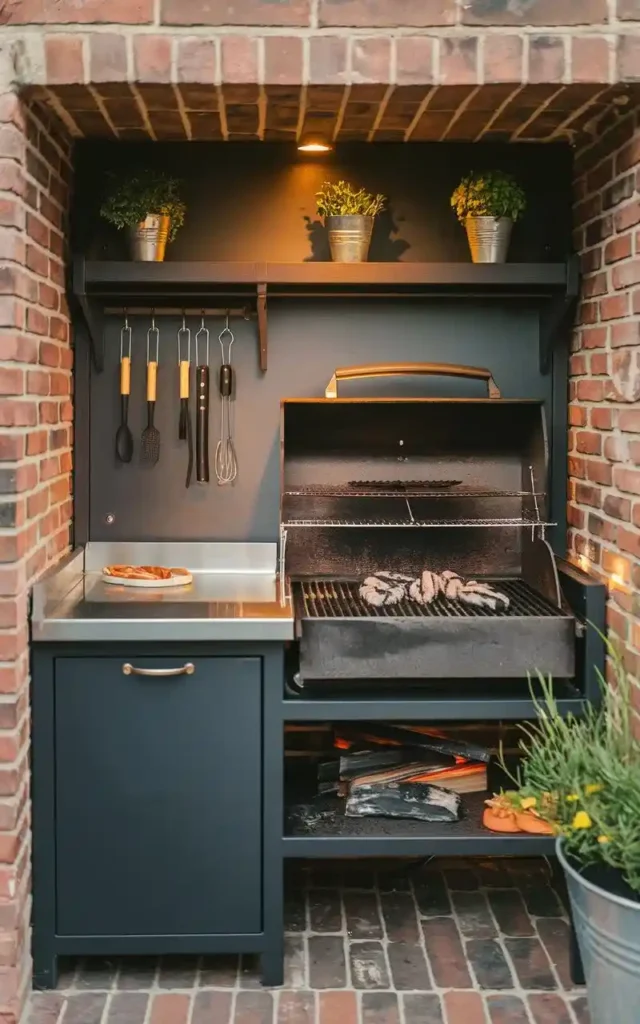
(158, 802)
(152, 767)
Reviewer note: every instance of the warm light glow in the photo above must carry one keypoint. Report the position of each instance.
(617, 579)
(314, 144)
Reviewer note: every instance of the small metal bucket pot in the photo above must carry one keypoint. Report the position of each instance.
(489, 238)
(349, 237)
(608, 931)
(149, 238)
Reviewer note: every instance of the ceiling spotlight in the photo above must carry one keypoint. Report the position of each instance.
(314, 143)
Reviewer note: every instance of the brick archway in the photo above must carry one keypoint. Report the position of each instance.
(364, 70)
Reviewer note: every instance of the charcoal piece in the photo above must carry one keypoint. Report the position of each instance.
(404, 800)
(329, 771)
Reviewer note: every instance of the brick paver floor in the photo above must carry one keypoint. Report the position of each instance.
(449, 942)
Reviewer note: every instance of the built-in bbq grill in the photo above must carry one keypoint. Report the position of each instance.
(407, 484)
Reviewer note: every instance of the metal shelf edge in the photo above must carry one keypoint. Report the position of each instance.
(459, 710)
(489, 844)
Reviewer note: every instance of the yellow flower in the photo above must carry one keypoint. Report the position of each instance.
(572, 798)
(603, 840)
(529, 801)
(593, 787)
(581, 820)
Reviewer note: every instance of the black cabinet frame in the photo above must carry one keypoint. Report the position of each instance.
(47, 944)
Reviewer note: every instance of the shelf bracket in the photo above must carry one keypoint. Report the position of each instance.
(555, 316)
(91, 314)
(262, 325)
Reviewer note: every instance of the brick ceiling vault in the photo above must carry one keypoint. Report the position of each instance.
(499, 112)
(350, 83)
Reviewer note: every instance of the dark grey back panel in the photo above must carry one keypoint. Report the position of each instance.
(307, 341)
(255, 201)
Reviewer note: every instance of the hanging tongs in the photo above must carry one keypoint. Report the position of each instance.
(202, 407)
(185, 430)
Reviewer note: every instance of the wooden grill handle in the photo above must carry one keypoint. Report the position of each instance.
(409, 369)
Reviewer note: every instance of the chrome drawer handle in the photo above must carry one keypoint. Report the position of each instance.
(183, 670)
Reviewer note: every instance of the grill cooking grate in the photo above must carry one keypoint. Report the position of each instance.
(331, 599)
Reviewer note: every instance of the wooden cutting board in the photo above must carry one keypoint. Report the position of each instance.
(181, 580)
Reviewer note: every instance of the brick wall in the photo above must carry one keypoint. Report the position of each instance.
(35, 473)
(363, 69)
(604, 444)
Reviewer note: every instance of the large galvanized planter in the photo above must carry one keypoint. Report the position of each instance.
(149, 238)
(349, 238)
(608, 931)
(489, 238)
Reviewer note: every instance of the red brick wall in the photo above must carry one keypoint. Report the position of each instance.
(257, 49)
(604, 462)
(35, 473)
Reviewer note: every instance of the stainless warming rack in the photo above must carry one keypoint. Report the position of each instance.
(410, 520)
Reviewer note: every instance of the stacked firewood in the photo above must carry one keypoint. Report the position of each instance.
(400, 771)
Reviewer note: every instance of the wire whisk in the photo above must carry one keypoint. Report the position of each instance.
(226, 463)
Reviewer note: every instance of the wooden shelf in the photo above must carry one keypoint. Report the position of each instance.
(98, 284)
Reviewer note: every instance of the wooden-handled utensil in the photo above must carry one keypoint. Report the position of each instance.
(185, 432)
(124, 438)
(202, 408)
(151, 435)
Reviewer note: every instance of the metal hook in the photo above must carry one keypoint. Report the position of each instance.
(184, 330)
(125, 333)
(226, 330)
(202, 330)
(155, 331)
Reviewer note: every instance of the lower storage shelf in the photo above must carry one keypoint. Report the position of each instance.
(320, 829)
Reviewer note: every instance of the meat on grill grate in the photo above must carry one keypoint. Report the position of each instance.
(321, 599)
(389, 588)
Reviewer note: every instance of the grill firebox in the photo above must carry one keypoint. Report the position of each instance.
(411, 484)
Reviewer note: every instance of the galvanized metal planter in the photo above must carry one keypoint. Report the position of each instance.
(349, 237)
(608, 931)
(489, 238)
(149, 238)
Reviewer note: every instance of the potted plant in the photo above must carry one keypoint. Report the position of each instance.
(488, 204)
(148, 203)
(581, 777)
(349, 216)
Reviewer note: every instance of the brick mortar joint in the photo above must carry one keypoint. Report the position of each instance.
(81, 29)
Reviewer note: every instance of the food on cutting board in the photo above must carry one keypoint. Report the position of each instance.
(150, 574)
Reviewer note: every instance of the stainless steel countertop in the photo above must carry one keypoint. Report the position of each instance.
(235, 595)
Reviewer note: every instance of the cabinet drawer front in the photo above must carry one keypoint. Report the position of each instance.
(158, 796)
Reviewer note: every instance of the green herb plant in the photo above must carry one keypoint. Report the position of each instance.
(134, 196)
(489, 194)
(340, 199)
(583, 775)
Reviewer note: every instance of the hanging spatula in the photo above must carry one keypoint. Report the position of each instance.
(151, 435)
